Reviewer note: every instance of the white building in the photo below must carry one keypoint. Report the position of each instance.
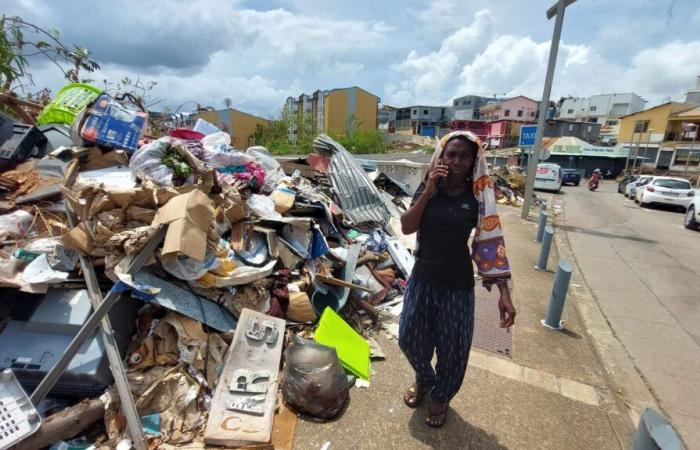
(604, 109)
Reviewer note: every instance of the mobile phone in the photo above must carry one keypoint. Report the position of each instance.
(441, 183)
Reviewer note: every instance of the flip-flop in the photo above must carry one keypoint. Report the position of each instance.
(436, 420)
(415, 394)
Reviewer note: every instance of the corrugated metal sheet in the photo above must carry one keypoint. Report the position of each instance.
(357, 195)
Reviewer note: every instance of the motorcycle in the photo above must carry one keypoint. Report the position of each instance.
(593, 184)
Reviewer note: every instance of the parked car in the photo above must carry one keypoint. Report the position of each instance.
(666, 191)
(625, 181)
(548, 177)
(631, 189)
(692, 215)
(570, 176)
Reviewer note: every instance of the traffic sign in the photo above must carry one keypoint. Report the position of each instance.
(527, 135)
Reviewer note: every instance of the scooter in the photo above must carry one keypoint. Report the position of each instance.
(593, 184)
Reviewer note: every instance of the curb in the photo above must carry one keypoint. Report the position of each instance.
(630, 389)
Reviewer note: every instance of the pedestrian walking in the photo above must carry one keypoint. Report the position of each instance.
(455, 198)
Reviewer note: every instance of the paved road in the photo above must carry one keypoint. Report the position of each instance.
(643, 267)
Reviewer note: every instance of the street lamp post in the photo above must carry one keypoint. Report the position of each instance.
(692, 147)
(557, 11)
(644, 158)
(636, 153)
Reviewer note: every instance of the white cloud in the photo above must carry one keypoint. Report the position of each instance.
(430, 76)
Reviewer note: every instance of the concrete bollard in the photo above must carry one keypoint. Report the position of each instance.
(655, 433)
(556, 301)
(544, 250)
(541, 223)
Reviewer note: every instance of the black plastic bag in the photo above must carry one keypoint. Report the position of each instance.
(314, 382)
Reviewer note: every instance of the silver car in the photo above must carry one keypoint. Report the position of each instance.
(631, 189)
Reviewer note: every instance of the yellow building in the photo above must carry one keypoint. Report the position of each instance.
(241, 126)
(332, 111)
(662, 137)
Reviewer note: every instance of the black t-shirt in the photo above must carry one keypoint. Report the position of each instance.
(443, 258)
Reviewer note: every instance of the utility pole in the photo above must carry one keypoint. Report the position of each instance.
(636, 153)
(690, 152)
(558, 12)
(627, 161)
(646, 148)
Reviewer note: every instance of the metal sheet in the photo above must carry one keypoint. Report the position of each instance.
(358, 197)
(487, 333)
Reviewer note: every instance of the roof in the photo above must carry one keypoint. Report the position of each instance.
(521, 96)
(693, 112)
(236, 110)
(657, 106)
(353, 87)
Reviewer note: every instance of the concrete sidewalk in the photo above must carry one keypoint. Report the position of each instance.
(551, 394)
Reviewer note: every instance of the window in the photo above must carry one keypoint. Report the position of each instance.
(520, 113)
(425, 112)
(467, 102)
(672, 184)
(611, 122)
(532, 113)
(641, 126)
(506, 112)
(571, 127)
(569, 111)
(593, 108)
(415, 112)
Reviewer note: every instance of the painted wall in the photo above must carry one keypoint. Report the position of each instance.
(335, 111)
(513, 105)
(241, 126)
(657, 117)
(366, 109)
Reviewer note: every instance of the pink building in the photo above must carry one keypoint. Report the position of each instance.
(516, 108)
(505, 133)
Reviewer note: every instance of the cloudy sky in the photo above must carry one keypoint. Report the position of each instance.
(258, 52)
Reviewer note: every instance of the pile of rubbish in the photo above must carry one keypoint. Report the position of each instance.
(239, 287)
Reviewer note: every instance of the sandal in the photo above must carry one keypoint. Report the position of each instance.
(437, 415)
(414, 395)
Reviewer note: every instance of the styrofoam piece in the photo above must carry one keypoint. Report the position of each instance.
(18, 417)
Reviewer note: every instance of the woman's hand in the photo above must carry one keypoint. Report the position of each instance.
(438, 172)
(505, 306)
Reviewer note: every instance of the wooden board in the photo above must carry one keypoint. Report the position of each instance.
(230, 428)
(284, 427)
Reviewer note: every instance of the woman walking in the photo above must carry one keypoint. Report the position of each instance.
(438, 315)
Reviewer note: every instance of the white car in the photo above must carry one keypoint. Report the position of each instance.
(666, 191)
(692, 215)
(631, 188)
(548, 177)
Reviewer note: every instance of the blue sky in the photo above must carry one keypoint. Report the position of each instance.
(407, 52)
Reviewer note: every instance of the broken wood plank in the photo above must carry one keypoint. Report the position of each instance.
(65, 424)
(283, 428)
(325, 279)
(232, 428)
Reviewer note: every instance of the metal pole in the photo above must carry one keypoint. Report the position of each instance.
(646, 148)
(544, 104)
(544, 250)
(556, 301)
(690, 152)
(636, 154)
(541, 223)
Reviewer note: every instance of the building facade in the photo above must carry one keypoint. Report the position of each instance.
(479, 127)
(241, 126)
(331, 111)
(586, 131)
(518, 108)
(663, 137)
(467, 107)
(422, 120)
(604, 109)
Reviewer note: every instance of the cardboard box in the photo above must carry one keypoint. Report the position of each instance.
(283, 199)
(189, 217)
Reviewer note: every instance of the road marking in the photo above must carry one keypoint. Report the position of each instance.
(563, 386)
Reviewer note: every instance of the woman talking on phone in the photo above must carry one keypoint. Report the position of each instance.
(438, 315)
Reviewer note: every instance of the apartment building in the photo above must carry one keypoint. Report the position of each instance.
(604, 109)
(468, 106)
(332, 110)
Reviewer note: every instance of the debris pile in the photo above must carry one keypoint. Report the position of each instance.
(214, 259)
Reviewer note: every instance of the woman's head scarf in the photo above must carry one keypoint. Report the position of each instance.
(488, 246)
